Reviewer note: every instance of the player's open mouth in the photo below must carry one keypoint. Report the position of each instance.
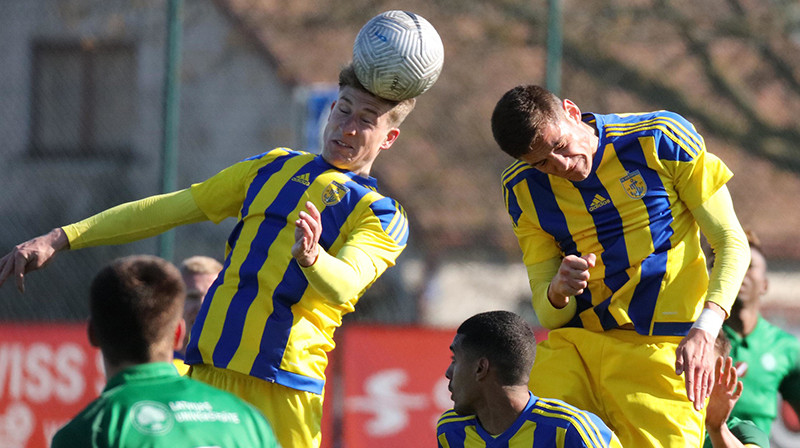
(341, 143)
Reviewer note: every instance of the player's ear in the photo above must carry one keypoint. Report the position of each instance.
(180, 333)
(481, 369)
(572, 110)
(391, 137)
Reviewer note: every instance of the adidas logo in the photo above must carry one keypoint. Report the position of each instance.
(598, 202)
(302, 178)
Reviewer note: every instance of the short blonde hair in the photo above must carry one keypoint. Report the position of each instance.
(200, 264)
(753, 240)
(399, 110)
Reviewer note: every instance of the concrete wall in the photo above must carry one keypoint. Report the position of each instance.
(232, 106)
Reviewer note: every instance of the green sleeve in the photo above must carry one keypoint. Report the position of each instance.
(75, 434)
(790, 385)
(748, 433)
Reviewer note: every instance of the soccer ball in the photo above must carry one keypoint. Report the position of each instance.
(398, 55)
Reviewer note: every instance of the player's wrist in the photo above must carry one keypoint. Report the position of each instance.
(309, 261)
(59, 239)
(556, 300)
(709, 321)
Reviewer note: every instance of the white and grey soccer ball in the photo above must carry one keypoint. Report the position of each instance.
(398, 55)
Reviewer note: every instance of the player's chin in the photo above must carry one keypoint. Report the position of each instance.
(340, 157)
(343, 163)
(576, 175)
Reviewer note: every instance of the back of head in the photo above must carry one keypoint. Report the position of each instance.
(505, 339)
(135, 304)
(399, 110)
(520, 115)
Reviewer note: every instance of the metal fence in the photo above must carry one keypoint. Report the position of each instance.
(81, 108)
(81, 91)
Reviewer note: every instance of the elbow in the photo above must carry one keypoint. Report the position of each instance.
(337, 299)
(550, 322)
(341, 294)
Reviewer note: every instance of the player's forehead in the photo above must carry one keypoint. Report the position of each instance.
(456, 345)
(757, 259)
(359, 99)
(551, 133)
(550, 136)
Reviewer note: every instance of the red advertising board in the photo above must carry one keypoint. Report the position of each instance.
(48, 373)
(386, 385)
(394, 389)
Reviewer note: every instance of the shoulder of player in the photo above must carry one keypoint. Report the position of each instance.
(516, 172)
(365, 196)
(775, 333)
(76, 432)
(557, 412)
(450, 419)
(639, 119)
(661, 122)
(281, 151)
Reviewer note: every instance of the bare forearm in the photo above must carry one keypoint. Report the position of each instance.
(723, 438)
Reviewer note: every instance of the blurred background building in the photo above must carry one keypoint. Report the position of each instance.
(82, 86)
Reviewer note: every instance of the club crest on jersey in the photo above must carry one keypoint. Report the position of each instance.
(633, 184)
(150, 417)
(334, 193)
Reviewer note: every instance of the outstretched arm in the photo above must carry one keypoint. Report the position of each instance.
(121, 224)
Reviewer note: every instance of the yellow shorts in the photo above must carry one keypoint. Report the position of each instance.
(295, 415)
(625, 378)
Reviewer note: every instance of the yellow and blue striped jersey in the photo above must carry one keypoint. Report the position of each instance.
(634, 212)
(261, 317)
(543, 424)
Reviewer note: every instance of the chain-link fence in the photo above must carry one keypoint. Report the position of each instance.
(81, 91)
(82, 99)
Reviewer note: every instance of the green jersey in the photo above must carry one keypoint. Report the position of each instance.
(747, 433)
(773, 366)
(152, 405)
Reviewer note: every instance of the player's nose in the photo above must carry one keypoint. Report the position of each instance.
(349, 126)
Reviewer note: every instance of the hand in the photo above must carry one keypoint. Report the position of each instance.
(308, 229)
(571, 279)
(695, 357)
(724, 395)
(32, 255)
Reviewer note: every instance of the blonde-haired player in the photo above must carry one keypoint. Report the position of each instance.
(312, 234)
(199, 273)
